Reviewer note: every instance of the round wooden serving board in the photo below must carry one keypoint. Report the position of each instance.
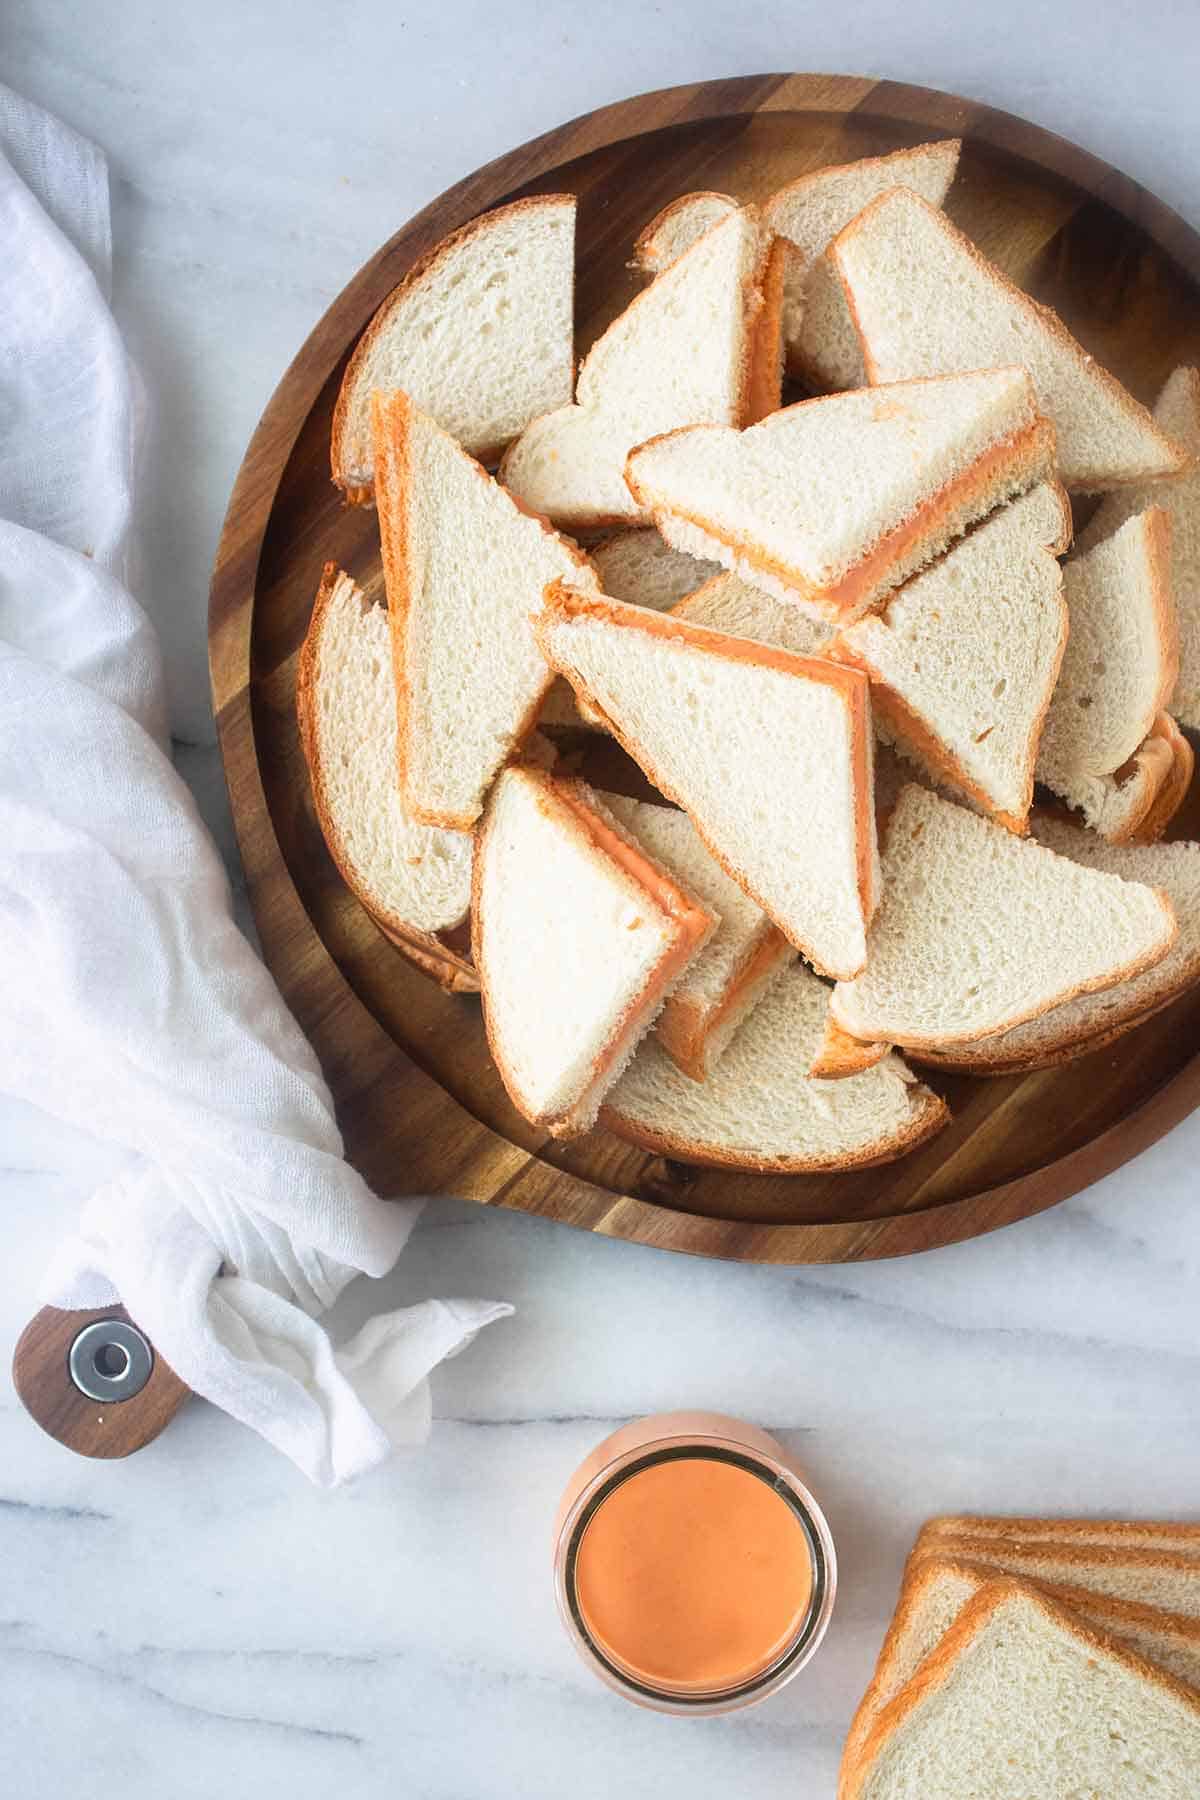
(422, 1108)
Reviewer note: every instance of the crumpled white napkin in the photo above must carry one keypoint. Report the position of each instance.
(130, 1004)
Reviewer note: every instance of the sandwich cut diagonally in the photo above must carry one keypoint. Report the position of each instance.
(769, 753)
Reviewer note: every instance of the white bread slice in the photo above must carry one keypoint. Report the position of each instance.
(1120, 807)
(820, 342)
(712, 720)
(480, 333)
(1120, 663)
(465, 568)
(641, 567)
(833, 502)
(413, 879)
(578, 938)
(1022, 1701)
(691, 348)
(978, 930)
(964, 657)
(759, 1110)
(837, 1055)
(1177, 411)
(926, 302)
(938, 1590)
(1174, 869)
(832, 351)
(1168, 1579)
(727, 603)
(726, 980)
(1130, 1534)
(677, 227)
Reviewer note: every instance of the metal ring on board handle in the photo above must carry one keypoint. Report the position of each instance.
(94, 1382)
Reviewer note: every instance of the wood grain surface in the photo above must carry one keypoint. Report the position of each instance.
(89, 1427)
(421, 1107)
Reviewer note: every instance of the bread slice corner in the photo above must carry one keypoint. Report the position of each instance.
(663, 240)
(479, 332)
(413, 879)
(964, 657)
(728, 978)
(839, 1055)
(578, 937)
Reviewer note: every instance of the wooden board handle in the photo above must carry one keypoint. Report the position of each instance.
(94, 1382)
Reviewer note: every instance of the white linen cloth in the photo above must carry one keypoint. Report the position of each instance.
(130, 1004)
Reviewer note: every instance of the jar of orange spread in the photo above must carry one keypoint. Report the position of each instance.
(694, 1570)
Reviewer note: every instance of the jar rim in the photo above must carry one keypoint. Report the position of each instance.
(777, 1475)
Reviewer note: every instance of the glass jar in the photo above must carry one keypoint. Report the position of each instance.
(710, 1438)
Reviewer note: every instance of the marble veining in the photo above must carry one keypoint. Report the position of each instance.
(199, 1621)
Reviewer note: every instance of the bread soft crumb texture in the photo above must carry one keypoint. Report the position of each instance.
(964, 657)
(578, 939)
(1120, 663)
(926, 302)
(833, 502)
(466, 568)
(641, 567)
(677, 227)
(480, 334)
(820, 340)
(727, 603)
(409, 876)
(1021, 1701)
(828, 356)
(978, 930)
(1174, 869)
(726, 980)
(938, 1590)
(1119, 806)
(1178, 413)
(759, 1110)
(769, 753)
(682, 353)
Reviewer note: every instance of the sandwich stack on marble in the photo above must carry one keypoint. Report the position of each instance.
(1036, 1657)
(898, 759)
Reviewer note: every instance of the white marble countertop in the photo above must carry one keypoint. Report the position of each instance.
(197, 1620)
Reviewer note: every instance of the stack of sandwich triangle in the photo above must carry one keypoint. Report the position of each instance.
(1036, 1657)
(835, 639)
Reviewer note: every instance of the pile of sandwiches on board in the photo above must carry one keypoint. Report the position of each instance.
(837, 638)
